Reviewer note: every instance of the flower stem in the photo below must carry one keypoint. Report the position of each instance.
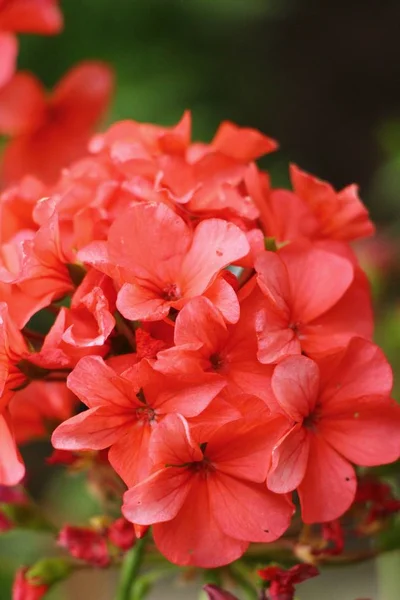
(130, 569)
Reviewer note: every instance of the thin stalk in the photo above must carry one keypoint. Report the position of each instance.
(130, 570)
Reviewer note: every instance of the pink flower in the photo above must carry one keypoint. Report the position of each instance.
(206, 501)
(313, 300)
(165, 262)
(334, 407)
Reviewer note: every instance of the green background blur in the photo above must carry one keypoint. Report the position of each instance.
(321, 77)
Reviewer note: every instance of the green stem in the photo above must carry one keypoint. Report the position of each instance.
(243, 580)
(130, 569)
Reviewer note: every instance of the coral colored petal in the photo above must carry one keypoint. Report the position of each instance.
(217, 413)
(366, 431)
(200, 323)
(329, 485)
(12, 468)
(22, 104)
(360, 370)
(189, 396)
(138, 303)
(129, 455)
(146, 237)
(273, 345)
(273, 280)
(83, 95)
(351, 316)
(27, 16)
(172, 444)
(224, 297)
(318, 279)
(295, 383)
(194, 536)
(95, 429)
(289, 461)
(216, 244)
(8, 53)
(96, 384)
(248, 511)
(158, 498)
(243, 448)
(242, 143)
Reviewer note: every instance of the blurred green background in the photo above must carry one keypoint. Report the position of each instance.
(320, 77)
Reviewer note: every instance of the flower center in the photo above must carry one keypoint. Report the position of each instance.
(311, 421)
(216, 361)
(145, 414)
(172, 292)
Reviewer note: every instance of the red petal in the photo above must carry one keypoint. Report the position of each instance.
(295, 383)
(27, 16)
(171, 443)
(159, 498)
(12, 468)
(248, 511)
(83, 95)
(289, 461)
(8, 53)
(365, 430)
(194, 536)
(242, 143)
(329, 485)
(318, 279)
(95, 429)
(216, 244)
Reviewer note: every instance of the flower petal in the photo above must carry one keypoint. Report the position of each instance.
(194, 537)
(295, 383)
(366, 431)
(329, 484)
(289, 461)
(248, 511)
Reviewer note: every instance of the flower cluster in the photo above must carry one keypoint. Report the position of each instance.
(217, 330)
(200, 338)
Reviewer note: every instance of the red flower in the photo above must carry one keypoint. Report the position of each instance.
(313, 300)
(205, 343)
(85, 544)
(207, 502)
(334, 407)
(24, 16)
(36, 123)
(27, 589)
(282, 586)
(121, 533)
(125, 409)
(216, 593)
(165, 262)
